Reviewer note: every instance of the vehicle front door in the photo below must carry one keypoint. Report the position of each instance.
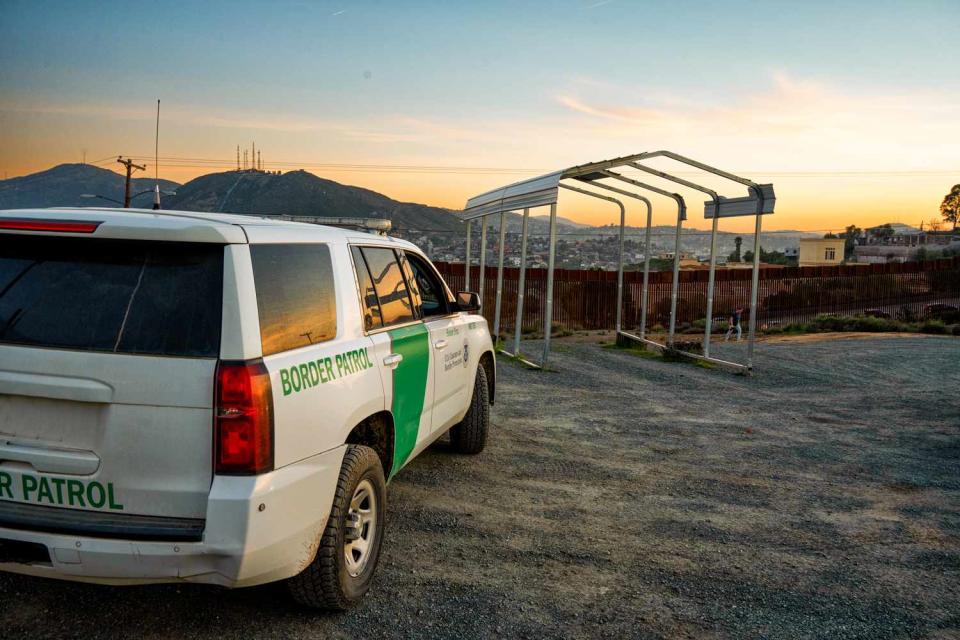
(401, 346)
(452, 382)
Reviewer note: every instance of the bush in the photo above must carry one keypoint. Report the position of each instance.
(956, 329)
(832, 322)
(933, 326)
(948, 317)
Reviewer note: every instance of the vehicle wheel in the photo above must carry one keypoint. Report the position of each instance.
(346, 559)
(470, 436)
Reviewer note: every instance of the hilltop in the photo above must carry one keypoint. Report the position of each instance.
(302, 193)
(249, 192)
(62, 185)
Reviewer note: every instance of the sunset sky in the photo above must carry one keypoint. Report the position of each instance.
(852, 109)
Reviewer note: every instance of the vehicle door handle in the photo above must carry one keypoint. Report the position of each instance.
(440, 345)
(392, 360)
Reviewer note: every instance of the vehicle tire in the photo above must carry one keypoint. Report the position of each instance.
(349, 549)
(470, 435)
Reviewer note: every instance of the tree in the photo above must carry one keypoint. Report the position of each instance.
(850, 236)
(934, 225)
(950, 207)
(735, 256)
(883, 231)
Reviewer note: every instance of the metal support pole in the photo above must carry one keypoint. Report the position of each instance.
(713, 270)
(481, 279)
(503, 239)
(623, 219)
(754, 291)
(548, 312)
(466, 281)
(521, 285)
(623, 215)
(675, 289)
(646, 273)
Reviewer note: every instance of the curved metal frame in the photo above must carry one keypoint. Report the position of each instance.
(542, 191)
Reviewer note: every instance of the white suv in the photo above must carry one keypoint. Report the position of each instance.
(220, 399)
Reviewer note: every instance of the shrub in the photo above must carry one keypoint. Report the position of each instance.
(956, 329)
(830, 322)
(933, 326)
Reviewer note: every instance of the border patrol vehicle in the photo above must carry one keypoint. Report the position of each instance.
(220, 398)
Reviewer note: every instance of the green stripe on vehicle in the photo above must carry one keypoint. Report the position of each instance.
(409, 387)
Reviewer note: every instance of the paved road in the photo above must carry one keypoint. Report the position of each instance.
(630, 498)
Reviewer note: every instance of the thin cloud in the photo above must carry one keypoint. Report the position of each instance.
(814, 120)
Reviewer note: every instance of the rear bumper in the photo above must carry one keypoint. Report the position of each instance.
(242, 545)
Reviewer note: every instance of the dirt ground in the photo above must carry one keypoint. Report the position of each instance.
(625, 497)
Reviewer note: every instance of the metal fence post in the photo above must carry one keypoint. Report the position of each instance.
(481, 279)
(713, 269)
(521, 285)
(503, 238)
(646, 273)
(676, 282)
(754, 292)
(623, 219)
(466, 281)
(548, 314)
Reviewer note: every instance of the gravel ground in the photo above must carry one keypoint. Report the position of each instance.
(626, 497)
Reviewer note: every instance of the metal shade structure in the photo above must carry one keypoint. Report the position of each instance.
(544, 190)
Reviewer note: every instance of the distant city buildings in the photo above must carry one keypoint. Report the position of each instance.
(882, 244)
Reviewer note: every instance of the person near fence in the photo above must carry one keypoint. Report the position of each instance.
(735, 316)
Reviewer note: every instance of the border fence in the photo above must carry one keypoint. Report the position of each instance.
(585, 300)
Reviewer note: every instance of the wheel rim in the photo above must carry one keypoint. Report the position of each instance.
(361, 528)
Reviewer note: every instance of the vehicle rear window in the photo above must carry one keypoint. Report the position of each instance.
(160, 298)
(295, 295)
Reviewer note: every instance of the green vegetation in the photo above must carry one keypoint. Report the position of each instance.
(771, 257)
(836, 323)
(678, 353)
(950, 207)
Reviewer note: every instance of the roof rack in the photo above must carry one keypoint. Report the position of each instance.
(380, 226)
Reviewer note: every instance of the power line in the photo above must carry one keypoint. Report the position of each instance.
(192, 162)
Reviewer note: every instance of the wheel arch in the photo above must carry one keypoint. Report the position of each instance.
(377, 432)
(490, 368)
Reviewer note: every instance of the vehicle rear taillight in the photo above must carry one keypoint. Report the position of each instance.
(60, 226)
(243, 419)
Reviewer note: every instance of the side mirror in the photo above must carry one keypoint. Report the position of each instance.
(468, 301)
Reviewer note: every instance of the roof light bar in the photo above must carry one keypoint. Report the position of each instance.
(59, 226)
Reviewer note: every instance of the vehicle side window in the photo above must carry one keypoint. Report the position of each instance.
(395, 304)
(432, 292)
(368, 295)
(411, 283)
(295, 295)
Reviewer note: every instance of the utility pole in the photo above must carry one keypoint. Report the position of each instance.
(130, 169)
(238, 157)
(259, 164)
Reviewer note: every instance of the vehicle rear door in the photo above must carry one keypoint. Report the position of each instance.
(108, 352)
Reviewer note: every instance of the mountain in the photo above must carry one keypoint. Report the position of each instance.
(62, 186)
(302, 193)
